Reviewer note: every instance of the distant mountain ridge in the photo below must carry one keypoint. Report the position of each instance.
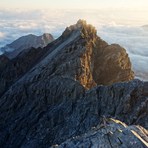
(13, 49)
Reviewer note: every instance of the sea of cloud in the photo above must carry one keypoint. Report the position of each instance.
(124, 28)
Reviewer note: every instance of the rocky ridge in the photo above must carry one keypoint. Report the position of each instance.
(62, 95)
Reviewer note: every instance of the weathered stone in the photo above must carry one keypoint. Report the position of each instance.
(112, 133)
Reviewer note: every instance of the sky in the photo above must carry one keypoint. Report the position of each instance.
(73, 4)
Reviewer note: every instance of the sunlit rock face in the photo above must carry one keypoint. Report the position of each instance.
(58, 94)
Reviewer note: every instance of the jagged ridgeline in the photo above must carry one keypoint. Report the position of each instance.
(55, 96)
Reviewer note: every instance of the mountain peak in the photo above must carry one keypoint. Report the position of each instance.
(85, 30)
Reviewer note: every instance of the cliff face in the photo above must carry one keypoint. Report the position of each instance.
(58, 96)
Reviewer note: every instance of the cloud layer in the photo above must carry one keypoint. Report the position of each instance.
(111, 26)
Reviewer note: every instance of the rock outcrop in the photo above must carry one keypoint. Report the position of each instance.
(13, 49)
(109, 134)
(59, 96)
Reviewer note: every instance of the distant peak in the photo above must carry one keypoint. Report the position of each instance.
(30, 35)
(45, 33)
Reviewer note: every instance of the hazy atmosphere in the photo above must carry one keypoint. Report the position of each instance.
(73, 4)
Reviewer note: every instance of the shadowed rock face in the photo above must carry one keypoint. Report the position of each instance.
(58, 97)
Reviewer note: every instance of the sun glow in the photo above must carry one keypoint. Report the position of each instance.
(75, 4)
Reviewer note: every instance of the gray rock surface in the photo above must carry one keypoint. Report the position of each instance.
(110, 134)
(60, 96)
(13, 49)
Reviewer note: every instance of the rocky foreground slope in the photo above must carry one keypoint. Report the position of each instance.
(60, 100)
